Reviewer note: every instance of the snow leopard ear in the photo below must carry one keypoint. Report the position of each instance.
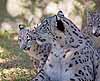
(21, 26)
(60, 14)
(60, 25)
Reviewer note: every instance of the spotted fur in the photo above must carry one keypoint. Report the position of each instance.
(71, 57)
(38, 53)
(92, 30)
(42, 76)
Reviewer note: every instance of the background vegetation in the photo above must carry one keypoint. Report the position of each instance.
(15, 64)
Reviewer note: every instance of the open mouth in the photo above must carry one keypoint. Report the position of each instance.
(27, 48)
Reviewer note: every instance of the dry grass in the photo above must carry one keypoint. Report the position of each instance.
(15, 64)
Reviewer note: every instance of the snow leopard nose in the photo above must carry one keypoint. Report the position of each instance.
(23, 47)
(95, 32)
